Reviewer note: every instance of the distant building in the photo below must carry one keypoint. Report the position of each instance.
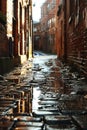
(37, 36)
(49, 26)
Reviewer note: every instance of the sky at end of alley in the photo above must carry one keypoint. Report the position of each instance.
(36, 11)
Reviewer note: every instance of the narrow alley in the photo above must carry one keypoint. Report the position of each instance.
(43, 64)
(43, 94)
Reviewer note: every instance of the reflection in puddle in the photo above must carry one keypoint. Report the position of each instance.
(36, 94)
(40, 89)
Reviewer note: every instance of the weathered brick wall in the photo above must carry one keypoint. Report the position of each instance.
(77, 49)
(77, 41)
(3, 42)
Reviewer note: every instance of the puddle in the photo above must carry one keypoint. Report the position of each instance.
(45, 87)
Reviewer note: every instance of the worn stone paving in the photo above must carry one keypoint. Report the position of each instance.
(43, 94)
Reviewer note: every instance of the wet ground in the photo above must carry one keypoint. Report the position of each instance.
(43, 94)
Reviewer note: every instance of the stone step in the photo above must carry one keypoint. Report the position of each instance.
(42, 113)
(60, 127)
(81, 121)
(28, 128)
(58, 119)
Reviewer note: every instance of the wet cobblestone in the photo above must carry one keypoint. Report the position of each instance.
(43, 94)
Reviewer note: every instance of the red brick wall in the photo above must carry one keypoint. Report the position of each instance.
(3, 42)
(77, 38)
(49, 33)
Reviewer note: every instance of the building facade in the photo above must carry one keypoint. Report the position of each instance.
(74, 17)
(3, 36)
(49, 26)
(76, 29)
(64, 31)
(16, 20)
(37, 36)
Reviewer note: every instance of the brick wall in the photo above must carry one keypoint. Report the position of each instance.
(77, 49)
(3, 42)
(49, 26)
(77, 38)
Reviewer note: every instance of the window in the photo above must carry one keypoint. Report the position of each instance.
(53, 21)
(53, 4)
(49, 23)
(35, 30)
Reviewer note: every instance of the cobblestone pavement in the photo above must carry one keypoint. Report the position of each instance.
(43, 94)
